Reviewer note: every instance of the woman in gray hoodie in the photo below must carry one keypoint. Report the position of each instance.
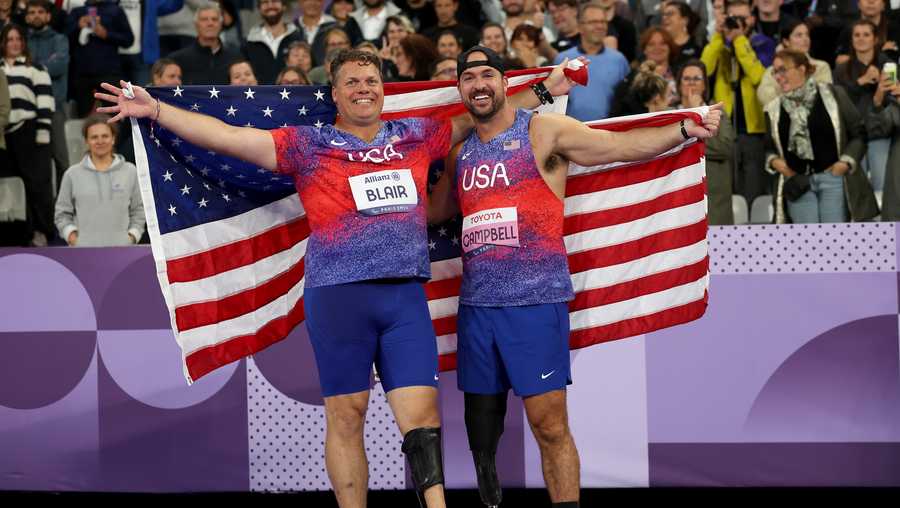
(99, 201)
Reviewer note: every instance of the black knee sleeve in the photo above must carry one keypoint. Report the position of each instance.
(422, 447)
(485, 415)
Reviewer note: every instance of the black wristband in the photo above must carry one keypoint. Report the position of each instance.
(684, 131)
(542, 93)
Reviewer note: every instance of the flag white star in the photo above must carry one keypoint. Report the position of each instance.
(442, 231)
(210, 152)
(207, 186)
(242, 194)
(285, 125)
(432, 245)
(156, 140)
(173, 158)
(213, 93)
(188, 171)
(221, 183)
(268, 112)
(250, 94)
(302, 111)
(226, 198)
(185, 190)
(262, 171)
(190, 158)
(454, 240)
(176, 142)
(225, 167)
(248, 124)
(231, 110)
(172, 209)
(284, 94)
(319, 124)
(320, 96)
(204, 171)
(195, 107)
(202, 203)
(241, 177)
(167, 176)
(177, 91)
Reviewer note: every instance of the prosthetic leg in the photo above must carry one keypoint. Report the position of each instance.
(484, 425)
(422, 447)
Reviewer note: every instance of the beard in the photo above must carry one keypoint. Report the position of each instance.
(373, 3)
(273, 18)
(483, 116)
(514, 10)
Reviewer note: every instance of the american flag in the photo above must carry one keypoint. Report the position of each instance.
(228, 238)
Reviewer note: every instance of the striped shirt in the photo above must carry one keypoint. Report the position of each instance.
(31, 96)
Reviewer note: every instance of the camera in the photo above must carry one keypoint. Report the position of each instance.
(734, 23)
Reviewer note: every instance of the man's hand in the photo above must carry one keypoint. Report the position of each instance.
(100, 30)
(781, 166)
(557, 82)
(72, 239)
(839, 168)
(710, 126)
(142, 106)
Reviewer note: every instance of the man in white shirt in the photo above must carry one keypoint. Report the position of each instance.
(267, 43)
(372, 17)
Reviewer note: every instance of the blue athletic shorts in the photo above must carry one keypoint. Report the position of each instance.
(525, 348)
(383, 321)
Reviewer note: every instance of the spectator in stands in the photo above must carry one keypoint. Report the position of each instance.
(649, 90)
(178, 30)
(859, 77)
(658, 47)
(827, 21)
(206, 61)
(887, 31)
(372, 18)
(734, 64)
(416, 55)
(693, 93)
(883, 121)
(620, 33)
(9, 14)
(493, 37)
(517, 13)
(321, 75)
(816, 140)
(299, 55)
(28, 130)
(5, 107)
(419, 12)
(795, 37)
(313, 18)
(292, 76)
(565, 18)
(396, 29)
(50, 50)
(525, 42)
(681, 22)
(241, 73)
(99, 202)
(446, 20)
(336, 39)
(448, 45)
(96, 31)
(770, 22)
(267, 43)
(165, 72)
(232, 32)
(608, 67)
(444, 69)
(340, 11)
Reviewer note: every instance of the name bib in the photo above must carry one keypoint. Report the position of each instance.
(389, 191)
(487, 228)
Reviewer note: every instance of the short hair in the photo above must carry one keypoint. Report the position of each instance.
(565, 3)
(98, 118)
(530, 32)
(734, 3)
(208, 6)
(433, 67)
(491, 24)
(300, 44)
(789, 28)
(450, 33)
(589, 5)
(334, 30)
(159, 67)
(43, 4)
(685, 11)
(399, 19)
(291, 68)
(238, 62)
(345, 56)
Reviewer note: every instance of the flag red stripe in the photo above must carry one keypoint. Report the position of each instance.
(652, 121)
(640, 287)
(203, 361)
(237, 254)
(447, 362)
(444, 110)
(199, 314)
(587, 221)
(444, 325)
(443, 288)
(639, 325)
(630, 175)
(636, 249)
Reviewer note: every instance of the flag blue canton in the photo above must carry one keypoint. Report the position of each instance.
(192, 185)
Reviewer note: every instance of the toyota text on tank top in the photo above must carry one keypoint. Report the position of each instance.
(512, 238)
(365, 202)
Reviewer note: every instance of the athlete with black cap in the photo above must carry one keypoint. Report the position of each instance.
(508, 179)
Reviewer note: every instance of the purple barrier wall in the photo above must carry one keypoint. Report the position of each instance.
(791, 378)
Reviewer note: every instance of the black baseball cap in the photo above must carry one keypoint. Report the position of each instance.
(492, 60)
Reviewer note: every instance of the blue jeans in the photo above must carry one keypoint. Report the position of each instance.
(823, 202)
(875, 161)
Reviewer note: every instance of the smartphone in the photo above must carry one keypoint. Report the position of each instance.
(92, 13)
(890, 69)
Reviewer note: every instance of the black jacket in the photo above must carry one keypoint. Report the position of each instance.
(200, 66)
